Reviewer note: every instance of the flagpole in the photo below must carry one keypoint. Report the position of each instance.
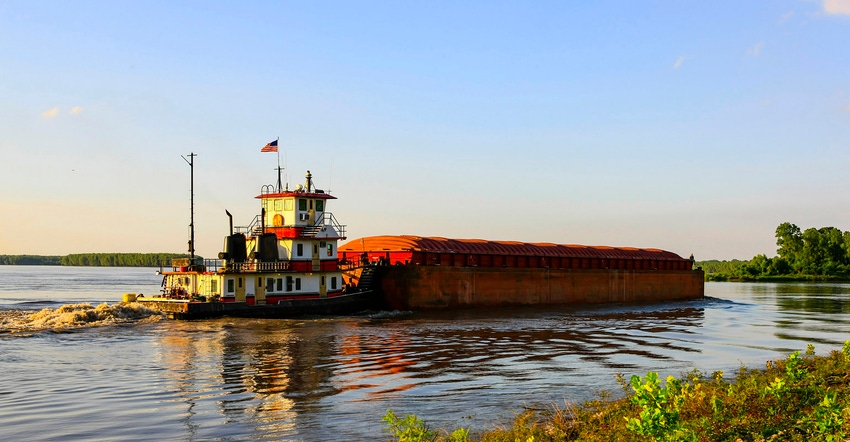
(279, 187)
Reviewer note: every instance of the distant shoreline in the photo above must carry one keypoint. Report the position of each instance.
(92, 259)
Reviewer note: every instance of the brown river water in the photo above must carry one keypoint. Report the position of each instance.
(103, 372)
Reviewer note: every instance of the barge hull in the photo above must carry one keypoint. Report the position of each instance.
(413, 287)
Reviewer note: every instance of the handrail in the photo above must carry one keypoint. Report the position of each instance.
(206, 265)
(328, 218)
(257, 221)
(260, 266)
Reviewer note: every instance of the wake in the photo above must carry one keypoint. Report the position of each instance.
(74, 316)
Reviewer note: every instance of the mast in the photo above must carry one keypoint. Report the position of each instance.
(279, 188)
(191, 162)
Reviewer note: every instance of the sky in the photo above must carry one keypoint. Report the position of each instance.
(694, 127)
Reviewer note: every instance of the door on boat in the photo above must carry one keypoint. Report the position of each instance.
(317, 263)
(249, 290)
(240, 289)
(323, 288)
(260, 290)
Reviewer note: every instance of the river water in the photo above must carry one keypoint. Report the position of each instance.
(107, 374)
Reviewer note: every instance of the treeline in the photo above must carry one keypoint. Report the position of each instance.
(30, 260)
(822, 253)
(94, 259)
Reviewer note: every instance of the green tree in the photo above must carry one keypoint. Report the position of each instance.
(789, 240)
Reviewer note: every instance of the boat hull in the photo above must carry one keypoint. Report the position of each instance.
(339, 305)
(415, 287)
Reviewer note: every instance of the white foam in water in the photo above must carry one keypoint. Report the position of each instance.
(76, 316)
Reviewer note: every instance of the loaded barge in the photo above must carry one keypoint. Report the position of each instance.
(429, 273)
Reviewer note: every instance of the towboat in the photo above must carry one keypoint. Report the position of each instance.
(283, 264)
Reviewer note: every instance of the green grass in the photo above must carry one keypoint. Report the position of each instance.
(799, 398)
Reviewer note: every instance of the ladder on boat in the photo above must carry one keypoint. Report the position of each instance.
(367, 278)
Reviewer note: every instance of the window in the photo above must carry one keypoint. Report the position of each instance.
(288, 283)
(333, 282)
(269, 284)
(302, 204)
(240, 283)
(323, 281)
(279, 284)
(315, 249)
(230, 286)
(311, 204)
(297, 283)
(277, 205)
(300, 249)
(320, 205)
(288, 204)
(214, 286)
(330, 250)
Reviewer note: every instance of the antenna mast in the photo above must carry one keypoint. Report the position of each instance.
(191, 162)
(279, 187)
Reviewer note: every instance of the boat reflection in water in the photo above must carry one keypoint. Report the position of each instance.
(312, 378)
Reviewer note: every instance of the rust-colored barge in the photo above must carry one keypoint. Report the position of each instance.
(421, 273)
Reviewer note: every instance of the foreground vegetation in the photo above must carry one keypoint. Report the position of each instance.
(811, 255)
(800, 398)
(93, 259)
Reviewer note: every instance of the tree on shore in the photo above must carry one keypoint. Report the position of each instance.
(823, 252)
(94, 259)
(29, 260)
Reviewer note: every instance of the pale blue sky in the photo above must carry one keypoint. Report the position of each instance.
(696, 127)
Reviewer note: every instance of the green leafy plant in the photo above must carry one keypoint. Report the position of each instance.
(829, 419)
(660, 407)
(408, 428)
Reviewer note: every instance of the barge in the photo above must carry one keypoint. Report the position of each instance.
(432, 273)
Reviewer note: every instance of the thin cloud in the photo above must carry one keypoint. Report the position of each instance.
(785, 17)
(679, 62)
(836, 7)
(75, 110)
(756, 50)
(52, 113)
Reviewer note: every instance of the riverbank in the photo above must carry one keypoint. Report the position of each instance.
(92, 259)
(723, 277)
(799, 398)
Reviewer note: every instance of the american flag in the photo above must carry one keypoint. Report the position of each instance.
(270, 147)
